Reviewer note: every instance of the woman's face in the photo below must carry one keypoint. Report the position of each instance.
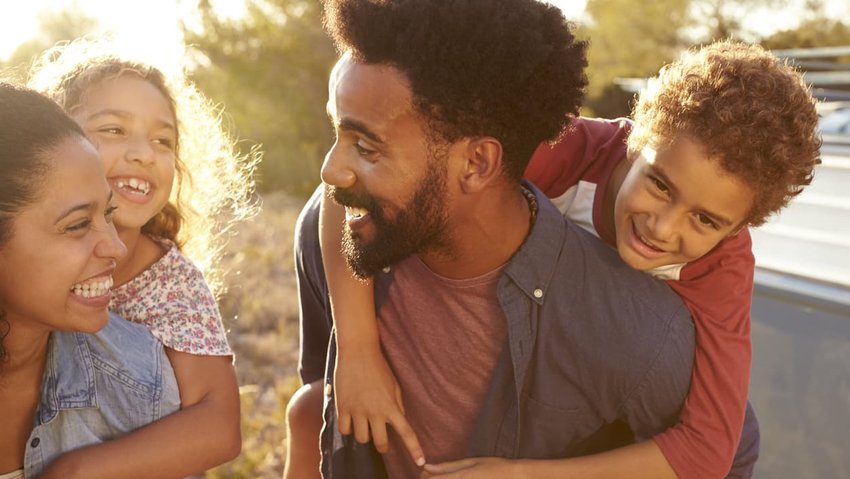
(56, 268)
(132, 124)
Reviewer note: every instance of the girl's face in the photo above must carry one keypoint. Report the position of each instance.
(56, 268)
(134, 129)
(675, 205)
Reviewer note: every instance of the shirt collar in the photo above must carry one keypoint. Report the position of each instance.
(533, 265)
(68, 375)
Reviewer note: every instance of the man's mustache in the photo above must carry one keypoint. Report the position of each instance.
(347, 197)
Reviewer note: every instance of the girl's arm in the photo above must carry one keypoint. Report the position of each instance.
(202, 434)
(367, 394)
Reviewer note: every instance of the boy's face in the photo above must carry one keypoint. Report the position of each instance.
(676, 205)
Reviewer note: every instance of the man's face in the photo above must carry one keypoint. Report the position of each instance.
(383, 168)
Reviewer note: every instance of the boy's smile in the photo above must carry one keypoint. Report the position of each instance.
(675, 205)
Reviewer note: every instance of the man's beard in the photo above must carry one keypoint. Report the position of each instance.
(419, 226)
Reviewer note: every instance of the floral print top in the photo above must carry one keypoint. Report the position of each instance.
(172, 299)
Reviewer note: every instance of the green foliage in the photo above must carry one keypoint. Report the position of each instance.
(630, 39)
(270, 69)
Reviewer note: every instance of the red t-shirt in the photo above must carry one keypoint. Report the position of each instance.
(717, 288)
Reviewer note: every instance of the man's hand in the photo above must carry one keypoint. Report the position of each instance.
(474, 468)
(368, 398)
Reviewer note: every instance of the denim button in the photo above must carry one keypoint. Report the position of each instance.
(328, 390)
(35, 442)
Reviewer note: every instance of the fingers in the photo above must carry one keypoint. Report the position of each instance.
(379, 436)
(408, 438)
(361, 429)
(344, 424)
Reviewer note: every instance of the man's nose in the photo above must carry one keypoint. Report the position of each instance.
(336, 171)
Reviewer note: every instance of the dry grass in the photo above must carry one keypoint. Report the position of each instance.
(260, 309)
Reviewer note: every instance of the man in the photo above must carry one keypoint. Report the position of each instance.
(512, 333)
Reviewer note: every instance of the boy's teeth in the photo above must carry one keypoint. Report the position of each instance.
(93, 289)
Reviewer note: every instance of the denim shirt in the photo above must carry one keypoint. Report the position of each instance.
(98, 387)
(598, 354)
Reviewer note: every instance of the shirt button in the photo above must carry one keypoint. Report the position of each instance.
(538, 293)
(328, 390)
(35, 442)
(387, 269)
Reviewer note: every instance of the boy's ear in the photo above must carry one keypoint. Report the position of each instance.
(483, 163)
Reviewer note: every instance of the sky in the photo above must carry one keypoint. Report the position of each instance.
(155, 23)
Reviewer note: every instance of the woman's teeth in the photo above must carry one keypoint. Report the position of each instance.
(92, 289)
(134, 184)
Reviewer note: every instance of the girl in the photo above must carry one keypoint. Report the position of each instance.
(723, 128)
(62, 387)
(179, 186)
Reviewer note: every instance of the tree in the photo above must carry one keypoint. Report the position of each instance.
(629, 39)
(270, 69)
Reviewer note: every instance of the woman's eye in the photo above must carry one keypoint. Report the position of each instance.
(78, 226)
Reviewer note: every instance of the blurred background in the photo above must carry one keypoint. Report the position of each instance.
(266, 63)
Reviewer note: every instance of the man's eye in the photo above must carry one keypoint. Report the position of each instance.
(362, 150)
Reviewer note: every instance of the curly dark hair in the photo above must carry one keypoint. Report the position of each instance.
(31, 126)
(751, 111)
(509, 69)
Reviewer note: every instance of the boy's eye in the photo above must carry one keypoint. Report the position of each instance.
(706, 221)
(659, 185)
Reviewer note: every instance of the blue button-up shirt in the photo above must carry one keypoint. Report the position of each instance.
(98, 387)
(598, 354)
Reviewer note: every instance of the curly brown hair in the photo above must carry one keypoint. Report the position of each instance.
(510, 69)
(213, 187)
(751, 111)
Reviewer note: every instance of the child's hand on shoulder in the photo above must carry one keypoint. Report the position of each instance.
(368, 398)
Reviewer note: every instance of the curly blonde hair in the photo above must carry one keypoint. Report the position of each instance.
(213, 187)
(752, 112)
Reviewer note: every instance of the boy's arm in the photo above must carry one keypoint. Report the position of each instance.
(367, 394)
(637, 461)
(204, 433)
(717, 289)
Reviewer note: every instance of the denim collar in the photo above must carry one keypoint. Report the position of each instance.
(533, 265)
(68, 381)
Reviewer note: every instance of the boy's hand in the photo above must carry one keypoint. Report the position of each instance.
(368, 398)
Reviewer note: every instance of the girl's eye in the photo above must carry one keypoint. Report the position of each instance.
(166, 142)
(706, 221)
(112, 130)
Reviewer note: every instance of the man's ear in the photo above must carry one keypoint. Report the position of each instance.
(483, 163)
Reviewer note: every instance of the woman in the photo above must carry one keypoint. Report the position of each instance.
(61, 389)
